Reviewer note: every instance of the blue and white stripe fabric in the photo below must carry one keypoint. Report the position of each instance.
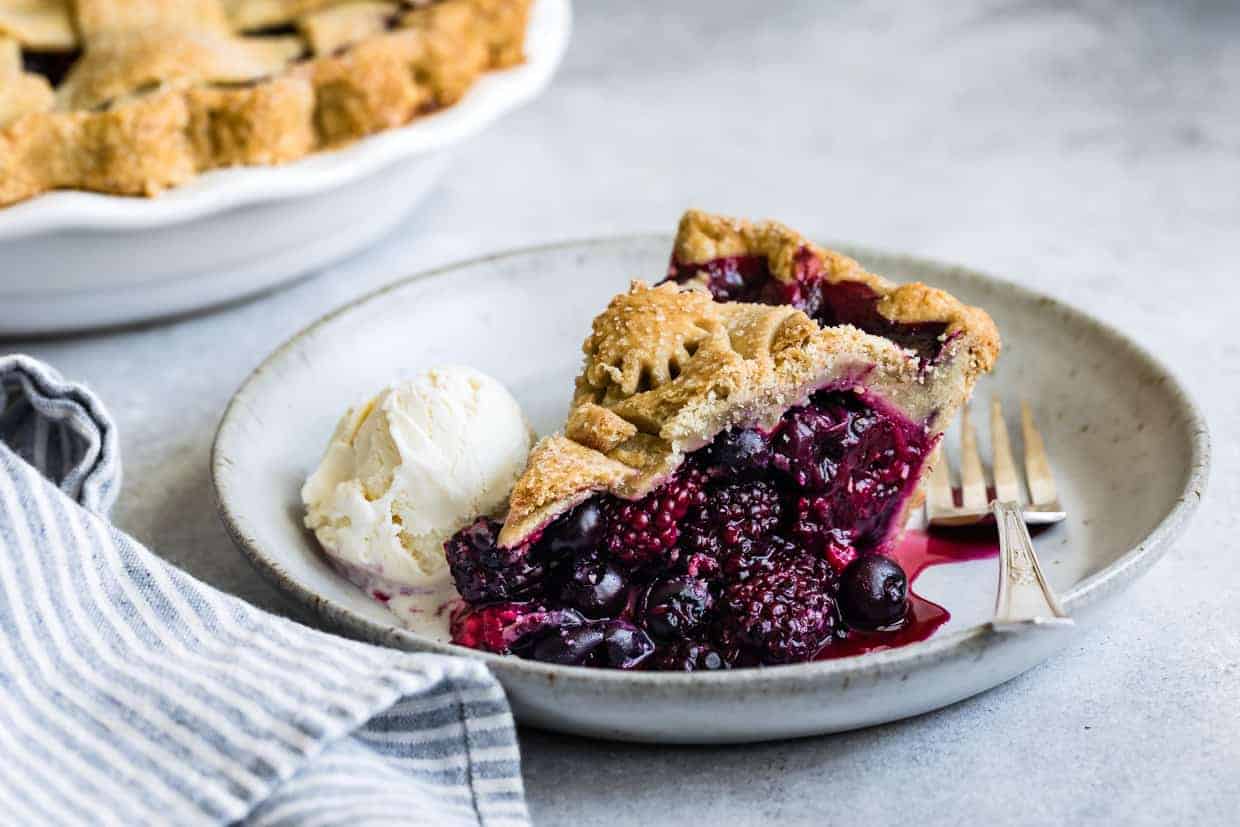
(131, 693)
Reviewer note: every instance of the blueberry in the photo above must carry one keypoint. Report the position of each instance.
(873, 592)
(595, 587)
(688, 656)
(567, 645)
(675, 608)
(626, 645)
(534, 624)
(741, 449)
(578, 531)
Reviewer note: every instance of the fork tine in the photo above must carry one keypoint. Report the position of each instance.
(1007, 484)
(972, 481)
(939, 496)
(1037, 467)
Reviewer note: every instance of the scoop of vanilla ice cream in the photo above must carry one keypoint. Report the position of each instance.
(410, 467)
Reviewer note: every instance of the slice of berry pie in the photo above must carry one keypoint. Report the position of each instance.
(767, 263)
(726, 464)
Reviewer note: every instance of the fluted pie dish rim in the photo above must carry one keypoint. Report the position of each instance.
(220, 190)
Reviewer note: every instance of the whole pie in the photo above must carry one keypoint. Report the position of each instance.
(742, 436)
(135, 96)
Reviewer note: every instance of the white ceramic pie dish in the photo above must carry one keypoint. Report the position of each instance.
(74, 260)
(1130, 449)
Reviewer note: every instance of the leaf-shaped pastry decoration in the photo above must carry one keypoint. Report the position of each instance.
(645, 338)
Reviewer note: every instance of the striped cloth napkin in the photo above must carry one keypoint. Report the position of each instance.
(131, 693)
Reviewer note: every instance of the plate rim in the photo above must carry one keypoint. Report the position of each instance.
(1088, 591)
(217, 191)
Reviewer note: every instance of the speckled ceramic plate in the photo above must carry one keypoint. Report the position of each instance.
(1130, 449)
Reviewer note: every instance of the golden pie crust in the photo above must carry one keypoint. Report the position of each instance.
(703, 237)
(667, 369)
(166, 89)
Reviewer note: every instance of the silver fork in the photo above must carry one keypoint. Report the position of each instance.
(1043, 506)
(1024, 595)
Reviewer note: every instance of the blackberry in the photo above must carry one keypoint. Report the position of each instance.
(483, 627)
(814, 526)
(811, 518)
(838, 555)
(785, 615)
(486, 573)
(640, 532)
(762, 557)
(704, 566)
(734, 514)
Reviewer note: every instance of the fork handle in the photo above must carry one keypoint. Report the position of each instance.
(1024, 595)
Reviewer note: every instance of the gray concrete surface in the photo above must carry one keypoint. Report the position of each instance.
(1091, 150)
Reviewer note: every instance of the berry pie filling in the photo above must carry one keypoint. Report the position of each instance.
(763, 547)
(748, 278)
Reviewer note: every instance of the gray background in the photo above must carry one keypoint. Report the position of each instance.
(1091, 150)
